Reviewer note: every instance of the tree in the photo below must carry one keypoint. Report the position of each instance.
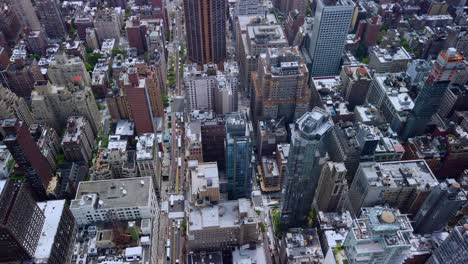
(361, 51)
(262, 227)
(311, 217)
(165, 100)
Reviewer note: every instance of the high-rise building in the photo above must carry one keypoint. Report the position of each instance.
(155, 90)
(36, 42)
(454, 249)
(205, 24)
(12, 106)
(327, 38)
(78, 141)
(53, 105)
(82, 23)
(252, 41)
(332, 189)
(26, 14)
(443, 202)
(286, 6)
(21, 222)
(136, 91)
(448, 63)
(10, 25)
(51, 19)
(200, 87)
(21, 74)
(147, 159)
(135, 34)
(306, 156)
(27, 155)
(63, 70)
(213, 135)
(356, 81)
(280, 86)
(378, 183)
(249, 7)
(117, 199)
(380, 235)
(238, 155)
(107, 25)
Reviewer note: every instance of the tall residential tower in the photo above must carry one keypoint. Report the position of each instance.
(205, 23)
(304, 164)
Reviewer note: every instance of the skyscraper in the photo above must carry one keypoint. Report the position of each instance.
(332, 189)
(12, 106)
(238, 156)
(21, 222)
(205, 23)
(136, 91)
(25, 11)
(306, 154)
(51, 19)
(280, 85)
(454, 249)
(448, 63)
(327, 38)
(27, 155)
(442, 203)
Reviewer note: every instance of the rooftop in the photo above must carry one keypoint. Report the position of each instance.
(382, 223)
(303, 244)
(333, 220)
(399, 173)
(114, 193)
(145, 146)
(247, 255)
(222, 215)
(389, 55)
(125, 128)
(52, 211)
(203, 175)
(314, 124)
(75, 128)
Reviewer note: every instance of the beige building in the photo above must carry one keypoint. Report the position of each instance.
(222, 226)
(204, 186)
(280, 85)
(389, 60)
(107, 25)
(64, 70)
(53, 105)
(14, 106)
(332, 190)
(254, 36)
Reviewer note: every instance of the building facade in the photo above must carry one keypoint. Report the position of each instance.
(205, 24)
(306, 156)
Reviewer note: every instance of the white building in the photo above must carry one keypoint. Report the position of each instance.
(400, 184)
(200, 88)
(146, 158)
(6, 160)
(120, 199)
(389, 60)
(380, 235)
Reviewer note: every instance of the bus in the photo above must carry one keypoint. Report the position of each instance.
(179, 162)
(168, 249)
(179, 142)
